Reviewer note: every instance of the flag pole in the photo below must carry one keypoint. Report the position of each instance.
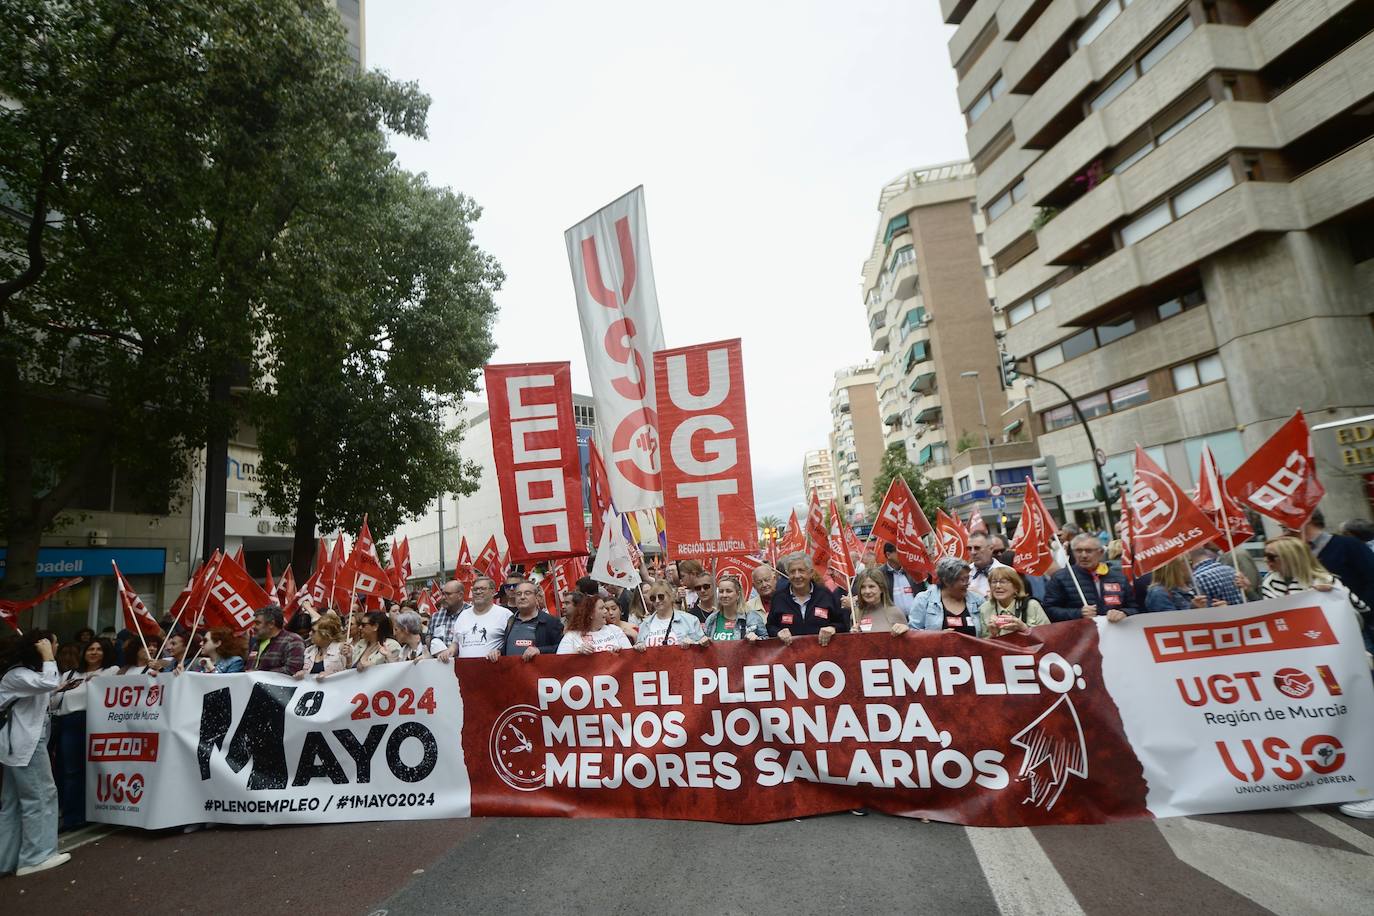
(200, 612)
(1225, 521)
(1072, 575)
(119, 583)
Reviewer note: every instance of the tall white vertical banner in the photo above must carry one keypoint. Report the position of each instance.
(617, 304)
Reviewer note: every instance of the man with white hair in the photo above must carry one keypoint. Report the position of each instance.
(1089, 587)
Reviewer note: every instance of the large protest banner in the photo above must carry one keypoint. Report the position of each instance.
(617, 306)
(1190, 712)
(534, 445)
(708, 482)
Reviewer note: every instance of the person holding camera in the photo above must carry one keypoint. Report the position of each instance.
(28, 795)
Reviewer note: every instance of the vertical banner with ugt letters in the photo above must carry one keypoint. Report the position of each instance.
(534, 443)
(266, 748)
(617, 306)
(1260, 705)
(708, 484)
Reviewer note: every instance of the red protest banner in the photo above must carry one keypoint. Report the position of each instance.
(708, 485)
(1280, 479)
(746, 733)
(1165, 523)
(817, 535)
(534, 442)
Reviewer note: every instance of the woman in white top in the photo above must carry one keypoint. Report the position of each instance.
(68, 707)
(28, 795)
(666, 625)
(326, 652)
(410, 633)
(378, 647)
(585, 631)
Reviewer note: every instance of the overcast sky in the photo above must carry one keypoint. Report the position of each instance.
(762, 133)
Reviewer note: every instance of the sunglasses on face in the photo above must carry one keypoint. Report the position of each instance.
(699, 588)
(658, 597)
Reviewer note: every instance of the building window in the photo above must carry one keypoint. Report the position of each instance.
(1058, 418)
(895, 225)
(1078, 344)
(1004, 201)
(984, 101)
(1179, 304)
(1153, 219)
(1141, 65)
(905, 255)
(965, 483)
(1151, 143)
(1203, 190)
(1048, 359)
(1099, 21)
(1129, 394)
(1115, 329)
(1204, 371)
(1026, 307)
(1094, 405)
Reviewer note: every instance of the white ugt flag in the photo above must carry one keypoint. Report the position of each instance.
(613, 277)
(613, 564)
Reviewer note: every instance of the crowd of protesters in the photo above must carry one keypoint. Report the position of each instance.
(43, 700)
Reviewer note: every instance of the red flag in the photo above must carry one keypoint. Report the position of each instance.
(600, 488)
(817, 537)
(180, 603)
(1280, 479)
(238, 555)
(976, 523)
(1166, 522)
(1034, 542)
(1214, 498)
(488, 562)
(233, 597)
(136, 615)
(793, 539)
(321, 557)
(950, 536)
(1127, 533)
(505, 565)
(912, 553)
(534, 445)
(267, 584)
(900, 510)
(425, 603)
(462, 568)
(287, 594)
(10, 610)
(334, 593)
(363, 572)
(708, 486)
(403, 560)
(741, 567)
(844, 559)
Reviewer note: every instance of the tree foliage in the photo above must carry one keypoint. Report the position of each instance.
(165, 168)
(929, 493)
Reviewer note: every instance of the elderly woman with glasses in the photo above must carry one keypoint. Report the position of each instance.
(948, 604)
(666, 625)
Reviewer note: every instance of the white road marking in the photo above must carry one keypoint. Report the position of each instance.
(1023, 880)
(1284, 876)
(1339, 829)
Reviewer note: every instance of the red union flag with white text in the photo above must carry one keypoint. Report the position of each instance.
(1165, 523)
(1280, 479)
(708, 484)
(534, 443)
(902, 523)
(1034, 541)
(1214, 498)
(617, 305)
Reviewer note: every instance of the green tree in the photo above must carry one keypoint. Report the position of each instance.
(929, 493)
(390, 320)
(152, 159)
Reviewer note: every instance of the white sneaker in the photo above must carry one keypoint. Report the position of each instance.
(1364, 809)
(61, 858)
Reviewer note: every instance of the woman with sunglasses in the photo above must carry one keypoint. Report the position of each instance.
(1293, 568)
(666, 625)
(378, 646)
(730, 621)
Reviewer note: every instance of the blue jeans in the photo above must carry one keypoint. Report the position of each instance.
(28, 811)
(69, 738)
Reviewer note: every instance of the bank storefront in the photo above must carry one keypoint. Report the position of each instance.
(94, 602)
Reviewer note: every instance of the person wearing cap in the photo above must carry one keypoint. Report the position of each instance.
(948, 604)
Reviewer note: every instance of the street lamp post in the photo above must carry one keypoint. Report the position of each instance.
(987, 437)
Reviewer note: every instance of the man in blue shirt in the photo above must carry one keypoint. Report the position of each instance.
(1215, 581)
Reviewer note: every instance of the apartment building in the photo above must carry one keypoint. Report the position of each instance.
(930, 301)
(818, 474)
(1177, 196)
(856, 440)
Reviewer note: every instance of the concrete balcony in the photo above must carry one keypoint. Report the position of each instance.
(1246, 209)
(1029, 273)
(880, 336)
(1337, 85)
(1001, 172)
(1009, 227)
(998, 114)
(979, 13)
(1288, 21)
(954, 11)
(1337, 186)
(1014, 18)
(1182, 337)
(1205, 142)
(1045, 37)
(904, 281)
(981, 74)
(1198, 412)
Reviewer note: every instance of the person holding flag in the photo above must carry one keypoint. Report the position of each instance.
(1089, 587)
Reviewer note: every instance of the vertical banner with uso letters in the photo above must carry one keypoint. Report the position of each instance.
(534, 443)
(268, 749)
(1264, 705)
(708, 483)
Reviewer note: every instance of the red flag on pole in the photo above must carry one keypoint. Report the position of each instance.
(238, 555)
(321, 557)
(136, 615)
(363, 572)
(233, 598)
(844, 559)
(976, 523)
(950, 536)
(1034, 542)
(267, 584)
(10, 610)
(1280, 479)
(1214, 498)
(793, 539)
(488, 562)
(1127, 534)
(462, 567)
(1165, 521)
(900, 510)
(817, 537)
(286, 593)
(600, 488)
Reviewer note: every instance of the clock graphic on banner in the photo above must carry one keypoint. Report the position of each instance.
(517, 748)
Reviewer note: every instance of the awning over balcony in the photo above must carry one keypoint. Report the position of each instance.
(929, 415)
(923, 383)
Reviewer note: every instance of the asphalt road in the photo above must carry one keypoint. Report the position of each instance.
(1305, 861)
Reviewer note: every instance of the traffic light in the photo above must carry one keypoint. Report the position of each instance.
(1045, 476)
(1009, 371)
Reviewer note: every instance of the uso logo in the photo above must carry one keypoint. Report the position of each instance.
(119, 788)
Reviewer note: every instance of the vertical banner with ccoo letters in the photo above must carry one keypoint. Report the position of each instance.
(617, 306)
(534, 444)
(708, 484)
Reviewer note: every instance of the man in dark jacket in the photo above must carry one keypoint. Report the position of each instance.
(1104, 590)
(1343, 555)
(530, 630)
(805, 607)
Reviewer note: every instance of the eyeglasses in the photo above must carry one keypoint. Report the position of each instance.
(699, 588)
(658, 597)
